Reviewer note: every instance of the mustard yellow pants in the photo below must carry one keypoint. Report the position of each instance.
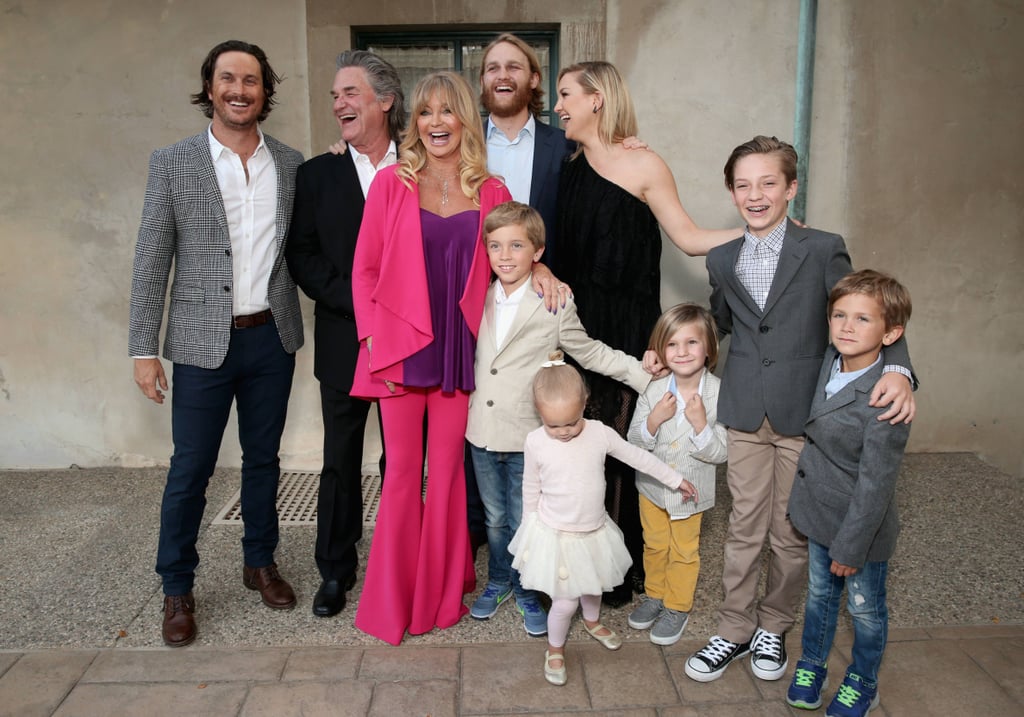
(671, 556)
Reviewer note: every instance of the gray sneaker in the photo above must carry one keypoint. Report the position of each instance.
(669, 627)
(644, 615)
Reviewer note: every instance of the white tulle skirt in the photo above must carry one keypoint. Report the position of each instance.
(565, 564)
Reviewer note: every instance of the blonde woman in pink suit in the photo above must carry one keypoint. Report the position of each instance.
(419, 278)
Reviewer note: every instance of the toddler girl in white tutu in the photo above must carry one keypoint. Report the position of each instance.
(567, 546)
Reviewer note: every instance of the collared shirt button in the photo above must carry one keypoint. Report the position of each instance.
(494, 371)
(490, 403)
(766, 362)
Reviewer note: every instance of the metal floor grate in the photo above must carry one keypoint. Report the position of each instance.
(296, 500)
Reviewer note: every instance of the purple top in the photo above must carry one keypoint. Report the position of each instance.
(448, 247)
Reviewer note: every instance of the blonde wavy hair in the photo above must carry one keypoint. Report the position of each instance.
(617, 116)
(454, 92)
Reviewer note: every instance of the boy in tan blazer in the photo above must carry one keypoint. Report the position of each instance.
(517, 334)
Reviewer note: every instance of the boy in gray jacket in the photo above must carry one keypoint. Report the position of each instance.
(843, 498)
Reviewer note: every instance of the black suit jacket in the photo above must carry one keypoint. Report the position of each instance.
(321, 243)
(550, 150)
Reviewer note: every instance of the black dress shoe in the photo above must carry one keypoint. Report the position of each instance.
(330, 598)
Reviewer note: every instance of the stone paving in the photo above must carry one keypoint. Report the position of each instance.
(80, 616)
(944, 671)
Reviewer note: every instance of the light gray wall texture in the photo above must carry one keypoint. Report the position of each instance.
(915, 158)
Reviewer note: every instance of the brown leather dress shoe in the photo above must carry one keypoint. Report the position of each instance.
(274, 590)
(179, 627)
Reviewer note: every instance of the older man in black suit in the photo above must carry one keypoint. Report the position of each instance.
(330, 191)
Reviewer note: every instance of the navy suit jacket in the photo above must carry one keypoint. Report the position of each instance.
(322, 241)
(550, 151)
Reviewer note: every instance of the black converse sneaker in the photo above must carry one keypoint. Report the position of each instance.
(708, 664)
(768, 659)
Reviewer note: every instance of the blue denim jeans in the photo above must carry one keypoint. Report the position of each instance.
(499, 476)
(865, 601)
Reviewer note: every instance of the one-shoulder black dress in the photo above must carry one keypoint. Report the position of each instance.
(609, 252)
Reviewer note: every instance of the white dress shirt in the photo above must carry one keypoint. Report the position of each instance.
(366, 169)
(251, 210)
(505, 308)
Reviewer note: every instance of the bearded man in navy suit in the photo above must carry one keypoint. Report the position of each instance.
(527, 153)
(217, 207)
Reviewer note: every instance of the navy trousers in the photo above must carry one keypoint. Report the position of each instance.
(257, 376)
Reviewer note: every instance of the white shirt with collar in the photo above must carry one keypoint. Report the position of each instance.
(512, 160)
(250, 206)
(505, 308)
(366, 169)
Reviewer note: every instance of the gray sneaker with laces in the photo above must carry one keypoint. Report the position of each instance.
(669, 627)
(644, 615)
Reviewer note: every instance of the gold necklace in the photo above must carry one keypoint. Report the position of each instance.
(443, 181)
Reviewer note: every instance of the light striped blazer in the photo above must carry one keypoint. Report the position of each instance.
(183, 222)
(673, 444)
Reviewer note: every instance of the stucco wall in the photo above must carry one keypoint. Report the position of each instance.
(914, 142)
(936, 196)
(91, 88)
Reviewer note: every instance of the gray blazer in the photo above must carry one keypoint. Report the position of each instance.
(183, 221)
(775, 354)
(844, 495)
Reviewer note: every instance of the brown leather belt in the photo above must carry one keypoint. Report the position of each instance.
(252, 320)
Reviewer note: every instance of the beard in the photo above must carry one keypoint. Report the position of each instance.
(505, 104)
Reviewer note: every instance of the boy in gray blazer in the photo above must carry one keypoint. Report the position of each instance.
(769, 291)
(516, 336)
(843, 497)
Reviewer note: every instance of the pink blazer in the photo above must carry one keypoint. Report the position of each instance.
(389, 281)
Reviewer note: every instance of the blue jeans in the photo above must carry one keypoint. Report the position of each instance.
(257, 376)
(499, 477)
(865, 601)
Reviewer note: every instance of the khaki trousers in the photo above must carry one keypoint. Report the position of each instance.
(762, 467)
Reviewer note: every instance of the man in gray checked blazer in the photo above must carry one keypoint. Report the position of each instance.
(218, 206)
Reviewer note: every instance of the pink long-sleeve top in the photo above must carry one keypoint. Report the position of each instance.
(563, 481)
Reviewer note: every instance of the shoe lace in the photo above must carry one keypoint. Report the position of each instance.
(770, 645)
(176, 604)
(271, 573)
(492, 591)
(804, 677)
(847, 694)
(529, 606)
(717, 648)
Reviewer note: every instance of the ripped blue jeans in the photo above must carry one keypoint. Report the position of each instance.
(865, 601)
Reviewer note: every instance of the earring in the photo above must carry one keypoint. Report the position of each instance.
(595, 109)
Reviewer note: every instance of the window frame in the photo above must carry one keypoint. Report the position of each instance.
(363, 36)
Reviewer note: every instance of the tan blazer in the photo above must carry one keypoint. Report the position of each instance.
(501, 410)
